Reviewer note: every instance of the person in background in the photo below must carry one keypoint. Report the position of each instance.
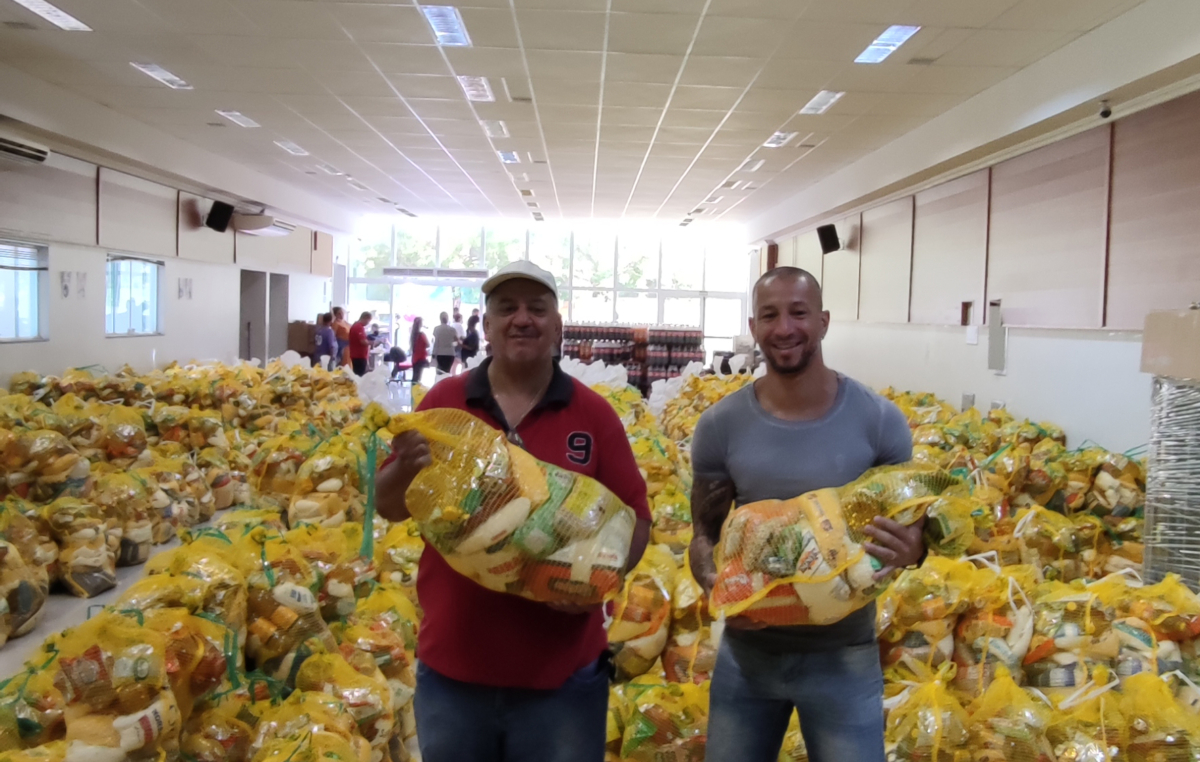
(501, 678)
(341, 329)
(801, 427)
(419, 346)
(360, 347)
(377, 337)
(470, 342)
(326, 342)
(461, 333)
(445, 341)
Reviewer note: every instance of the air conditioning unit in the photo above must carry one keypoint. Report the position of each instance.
(21, 151)
(261, 224)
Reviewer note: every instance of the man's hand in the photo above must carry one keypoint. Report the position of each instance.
(896, 546)
(412, 455)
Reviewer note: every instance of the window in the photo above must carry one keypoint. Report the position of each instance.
(594, 260)
(592, 307)
(637, 307)
(683, 311)
(637, 260)
(503, 244)
(373, 253)
(416, 244)
(22, 283)
(461, 246)
(550, 248)
(682, 262)
(131, 306)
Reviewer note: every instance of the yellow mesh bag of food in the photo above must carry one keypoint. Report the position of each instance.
(314, 746)
(1170, 607)
(691, 652)
(510, 522)
(123, 496)
(110, 662)
(1089, 725)
(368, 697)
(82, 429)
(398, 555)
(387, 606)
(31, 539)
(666, 721)
(123, 436)
(50, 468)
(917, 614)
(1073, 639)
(993, 635)
(242, 520)
(802, 561)
(794, 749)
(327, 487)
(23, 591)
(929, 724)
(335, 554)
(672, 514)
(200, 653)
(296, 717)
(1061, 548)
(88, 541)
(276, 466)
(1119, 487)
(54, 751)
(172, 423)
(642, 613)
(31, 707)
(217, 734)
(1008, 724)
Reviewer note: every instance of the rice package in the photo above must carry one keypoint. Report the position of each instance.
(802, 561)
(510, 522)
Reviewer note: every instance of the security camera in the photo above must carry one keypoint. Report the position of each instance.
(1105, 110)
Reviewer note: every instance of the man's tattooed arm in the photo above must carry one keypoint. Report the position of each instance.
(711, 502)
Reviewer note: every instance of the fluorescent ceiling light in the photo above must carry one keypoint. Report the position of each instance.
(821, 102)
(447, 25)
(329, 169)
(291, 148)
(162, 75)
(730, 184)
(886, 44)
(54, 15)
(476, 88)
(238, 118)
(780, 139)
(526, 192)
(495, 128)
(713, 199)
(509, 157)
(356, 184)
(751, 165)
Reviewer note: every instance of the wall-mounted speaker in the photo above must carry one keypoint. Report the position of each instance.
(829, 239)
(219, 216)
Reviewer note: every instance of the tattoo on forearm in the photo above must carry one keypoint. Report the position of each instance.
(711, 501)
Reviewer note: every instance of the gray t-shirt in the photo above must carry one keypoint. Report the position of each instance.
(768, 458)
(444, 337)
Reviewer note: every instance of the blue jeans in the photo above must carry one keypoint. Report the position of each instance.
(462, 722)
(839, 695)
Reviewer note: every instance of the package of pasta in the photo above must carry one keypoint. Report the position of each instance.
(335, 554)
(510, 522)
(1072, 639)
(802, 561)
(1008, 724)
(327, 487)
(123, 497)
(672, 511)
(123, 436)
(49, 467)
(642, 613)
(398, 555)
(88, 541)
(368, 697)
(918, 613)
(285, 624)
(275, 468)
(928, 724)
(993, 635)
(691, 652)
(22, 525)
(31, 707)
(665, 721)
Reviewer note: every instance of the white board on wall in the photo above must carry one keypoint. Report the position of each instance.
(55, 201)
(137, 215)
(290, 253)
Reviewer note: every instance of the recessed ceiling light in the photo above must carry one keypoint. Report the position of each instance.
(238, 118)
(749, 187)
(821, 102)
(356, 184)
(476, 88)
(751, 165)
(509, 157)
(405, 212)
(329, 169)
(215, 124)
(495, 128)
(447, 23)
(55, 15)
(886, 44)
(780, 139)
(532, 204)
(526, 192)
(162, 75)
(731, 184)
(291, 148)
(713, 199)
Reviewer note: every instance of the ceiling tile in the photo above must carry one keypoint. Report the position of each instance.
(426, 86)
(561, 30)
(718, 71)
(323, 56)
(566, 92)
(651, 33)
(566, 114)
(634, 67)
(399, 59)
(490, 28)
(735, 36)
(958, 80)
(1062, 15)
(635, 94)
(696, 97)
(430, 108)
(1004, 47)
(706, 119)
(840, 42)
(354, 83)
(489, 62)
(632, 116)
(581, 66)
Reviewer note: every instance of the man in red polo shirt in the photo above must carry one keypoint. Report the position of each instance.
(360, 348)
(501, 678)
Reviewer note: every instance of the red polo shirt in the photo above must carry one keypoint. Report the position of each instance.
(475, 635)
(359, 348)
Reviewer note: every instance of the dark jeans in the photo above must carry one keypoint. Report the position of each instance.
(839, 695)
(418, 369)
(360, 365)
(445, 363)
(462, 722)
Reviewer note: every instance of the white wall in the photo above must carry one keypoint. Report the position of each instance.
(1088, 382)
(307, 296)
(201, 328)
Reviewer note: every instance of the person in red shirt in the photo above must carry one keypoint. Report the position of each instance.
(501, 678)
(419, 351)
(360, 348)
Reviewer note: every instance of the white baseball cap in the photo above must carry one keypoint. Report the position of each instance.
(522, 268)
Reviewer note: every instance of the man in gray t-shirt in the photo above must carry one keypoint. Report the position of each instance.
(800, 428)
(445, 339)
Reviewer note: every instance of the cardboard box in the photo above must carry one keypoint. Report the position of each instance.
(301, 337)
(1171, 344)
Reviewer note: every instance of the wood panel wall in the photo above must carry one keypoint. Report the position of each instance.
(886, 243)
(950, 232)
(1154, 245)
(137, 216)
(52, 202)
